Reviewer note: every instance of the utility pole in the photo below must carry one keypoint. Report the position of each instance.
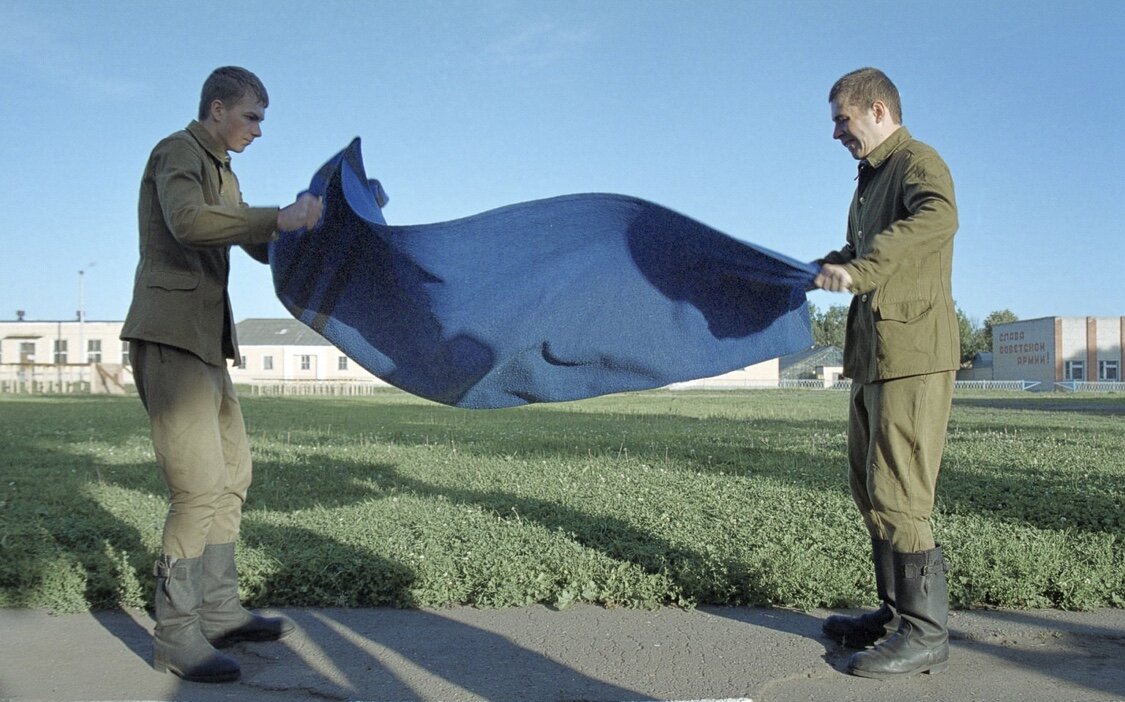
(83, 355)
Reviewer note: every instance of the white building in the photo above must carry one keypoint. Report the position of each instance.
(273, 352)
(54, 355)
(1053, 350)
(284, 350)
(759, 375)
(61, 356)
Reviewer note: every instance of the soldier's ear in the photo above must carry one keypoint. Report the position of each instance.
(217, 110)
(879, 109)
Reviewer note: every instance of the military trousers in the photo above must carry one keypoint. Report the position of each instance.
(199, 438)
(896, 436)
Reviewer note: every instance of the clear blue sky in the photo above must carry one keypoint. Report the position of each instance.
(715, 109)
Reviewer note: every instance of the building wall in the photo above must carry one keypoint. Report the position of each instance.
(1056, 349)
(1109, 342)
(28, 349)
(288, 363)
(1025, 350)
(759, 375)
(830, 374)
(1073, 344)
(27, 352)
(1043, 350)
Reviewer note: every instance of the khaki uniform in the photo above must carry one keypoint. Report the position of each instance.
(181, 331)
(902, 345)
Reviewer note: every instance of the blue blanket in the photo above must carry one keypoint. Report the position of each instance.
(557, 299)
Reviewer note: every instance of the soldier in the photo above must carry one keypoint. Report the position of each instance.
(181, 332)
(901, 352)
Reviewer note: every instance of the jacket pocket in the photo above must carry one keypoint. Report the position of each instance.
(906, 311)
(172, 280)
(905, 338)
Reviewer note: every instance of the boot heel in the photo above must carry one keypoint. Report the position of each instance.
(938, 668)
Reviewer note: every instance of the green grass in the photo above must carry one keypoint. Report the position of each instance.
(630, 500)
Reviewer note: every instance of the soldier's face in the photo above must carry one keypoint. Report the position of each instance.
(856, 128)
(239, 124)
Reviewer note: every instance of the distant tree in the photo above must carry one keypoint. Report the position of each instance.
(828, 326)
(994, 318)
(970, 337)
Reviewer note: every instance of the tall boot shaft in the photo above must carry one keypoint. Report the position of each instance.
(864, 630)
(921, 643)
(882, 555)
(224, 620)
(178, 644)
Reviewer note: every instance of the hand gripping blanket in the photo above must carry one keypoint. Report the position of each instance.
(558, 299)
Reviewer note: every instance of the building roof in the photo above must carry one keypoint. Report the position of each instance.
(277, 332)
(806, 362)
(983, 359)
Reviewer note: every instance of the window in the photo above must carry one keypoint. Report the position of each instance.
(1108, 370)
(124, 353)
(306, 362)
(27, 352)
(267, 362)
(94, 351)
(1075, 370)
(60, 351)
(342, 364)
(241, 361)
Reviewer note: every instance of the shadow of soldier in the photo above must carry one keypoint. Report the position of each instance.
(64, 549)
(387, 649)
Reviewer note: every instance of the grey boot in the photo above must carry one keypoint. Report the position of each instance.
(223, 619)
(921, 644)
(864, 630)
(178, 645)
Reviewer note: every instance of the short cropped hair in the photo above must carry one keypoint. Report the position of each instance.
(229, 84)
(864, 87)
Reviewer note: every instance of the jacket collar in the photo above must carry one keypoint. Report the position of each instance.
(197, 130)
(891, 144)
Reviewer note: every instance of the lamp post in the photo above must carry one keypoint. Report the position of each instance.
(83, 356)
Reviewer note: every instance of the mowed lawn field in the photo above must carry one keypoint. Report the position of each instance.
(641, 499)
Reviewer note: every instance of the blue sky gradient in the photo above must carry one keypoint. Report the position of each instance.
(715, 109)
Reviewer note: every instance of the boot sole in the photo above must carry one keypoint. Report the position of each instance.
(228, 641)
(221, 678)
(880, 675)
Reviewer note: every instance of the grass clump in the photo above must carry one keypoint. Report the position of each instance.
(631, 500)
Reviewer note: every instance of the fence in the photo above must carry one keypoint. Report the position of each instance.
(311, 387)
(361, 389)
(64, 379)
(996, 384)
(845, 384)
(44, 387)
(1091, 386)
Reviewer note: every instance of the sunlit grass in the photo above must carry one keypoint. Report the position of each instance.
(635, 500)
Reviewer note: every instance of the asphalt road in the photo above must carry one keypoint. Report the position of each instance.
(538, 654)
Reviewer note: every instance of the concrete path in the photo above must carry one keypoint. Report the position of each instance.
(537, 654)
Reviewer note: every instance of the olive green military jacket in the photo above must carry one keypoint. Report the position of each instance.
(902, 320)
(190, 213)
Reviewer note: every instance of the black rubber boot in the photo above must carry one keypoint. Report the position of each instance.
(223, 619)
(921, 644)
(864, 630)
(178, 645)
